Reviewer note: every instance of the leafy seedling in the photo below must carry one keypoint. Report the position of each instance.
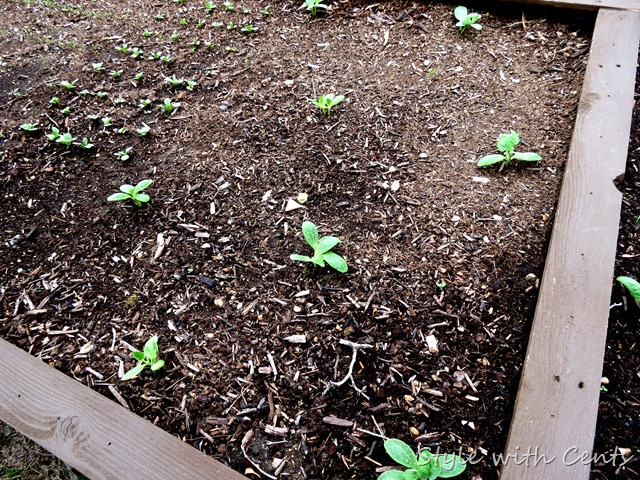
(142, 131)
(321, 249)
(147, 33)
(129, 192)
(68, 85)
(144, 102)
(425, 466)
(326, 102)
(191, 84)
(124, 154)
(210, 6)
(65, 111)
(466, 19)
(229, 6)
(54, 135)
(115, 73)
(136, 53)
(248, 29)
(106, 121)
(102, 94)
(169, 106)
(98, 67)
(506, 144)
(84, 144)
(632, 285)
(54, 101)
(174, 81)
(29, 127)
(147, 358)
(313, 6)
(139, 76)
(65, 139)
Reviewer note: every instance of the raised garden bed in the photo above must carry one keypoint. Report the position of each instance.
(205, 264)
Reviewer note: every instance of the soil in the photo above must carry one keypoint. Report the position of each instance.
(437, 248)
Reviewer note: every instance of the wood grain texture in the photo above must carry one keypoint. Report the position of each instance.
(557, 403)
(585, 4)
(96, 436)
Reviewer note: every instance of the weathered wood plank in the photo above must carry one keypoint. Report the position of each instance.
(557, 403)
(96, 436)
(585, 4)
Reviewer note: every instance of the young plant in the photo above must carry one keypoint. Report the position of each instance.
(54, 135)
(115, 73)
(29, 127)
(314, 5)
(129, 192)
(144, 102)
(84, 144)
(191, 84)
(66, 110)
(139, 76)
(321, 249)
(68, 85)
(209, 6)
(247, 29)
(632, 285)
(326, 102)
(155, 55)
(147, 358)
(229, 6)
(106, 121)
(54, 101)
(124, 154)
(466, 19)
(102, 94)
(98, 67)
(425, 466)
(65, 139)
(506, 144)
(147, 33)
(142, 131)
(136, 53)
(169, 106)
(174, 81)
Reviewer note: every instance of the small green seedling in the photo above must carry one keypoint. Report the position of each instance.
(147, 358)
(142, 131)
(321, 249)
(425, 466)
(139, 76)
(84, 92)
(229, 6)
(106, 121)
(54, 101)
(129, 192)
(159, 16)
(144, 102)
(632, 285)
(165, 58)
(248, 29)
(326, 102)
(66, 110)
(65, 139)
(136, 53)
(169, 106)
(124, 48)
(174, 81)
(506, 144)
(102, 94)
(314, 5)
(217, 24)
(231, 26)
(29, 127)
(124, 154)
(98, 67)
(54, 135)
(175, 36)
(147, 33)
(155, 55)
(115, 73)
(184, 22)
(84, 144)
(441, 284)
(68, 85)
(265, 10)
(191, 84)
(209, 6)
(466, 19)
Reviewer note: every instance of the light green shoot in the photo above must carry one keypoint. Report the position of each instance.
(632, 285)
(314, 5)
(174, 81)
(147, 33)
(54, 135)
(506, 144)
(321, 249)
(124, 154)
(191, 84)
(106, 121)
(425, 466)
(65, 139)
(98, 67)
(54, 101)
(68, 85)
(84, 144)
(116, 73)
(326, 102)
(466, 19)
(29, 127)
(142, 131)
(129, 192)
(102, 94)
(144, 102)
(229, 6)
(265, 11)
(147, 358)
(441, 284)
(65, 111)
(139, 76)
(209, 6)
(169, 106)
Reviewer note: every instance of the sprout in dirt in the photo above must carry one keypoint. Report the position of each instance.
(147, 358)
(135, 194)
(159, 16)
(124, 154)
(54, 101)
(217, 24)
(248, 29)
(54, 135)
(201, 23)
(231, 26)
(424, 466)
(138, 76)
(313, 6)
(506, 144)
(184, 22)
(106, 121)
(209, 6)
(155, 55)
(102, 94)
(466, 19)
(191, 84)
(265, 11)
(174, 81)
(229, 6)
(68, 85)
(169, 106)
(326, 102)
(65, 139)
(115, 73)
(441, 284)
(175, 36)
(84, 92)
(142, 131)
(65, 111)
(632, 285)
(29, 127)
(166, 58)
(321, 249)
(124, 48)
(98, 67)
(144, 102)
(147, 33)
(136, 53)
(84, 144)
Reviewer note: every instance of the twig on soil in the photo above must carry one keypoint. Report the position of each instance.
(349, 375)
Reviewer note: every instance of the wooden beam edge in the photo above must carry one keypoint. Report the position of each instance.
(88, 431)
(583, 4)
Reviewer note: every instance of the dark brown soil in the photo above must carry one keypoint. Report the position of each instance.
(392, 173)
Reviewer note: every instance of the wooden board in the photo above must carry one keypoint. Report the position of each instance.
(557, 403)
(585, 4)
(94, 435)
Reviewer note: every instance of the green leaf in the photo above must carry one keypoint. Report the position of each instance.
(527, 156)
(142, 185)
(490, 160)
(128, 189)
(477, 26)
(142, 197)
(461, 13)
(310, 233)
(401, 452)
(151, 349)
(326, 243)
(116, 197)
(392, 475)
(300, 258)
(632, 285)
(507, 141)
(451, 465)
(318, 260)
(411, 474)
(336, 261)
(138, 355)
(134, 372)
(157, 366)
